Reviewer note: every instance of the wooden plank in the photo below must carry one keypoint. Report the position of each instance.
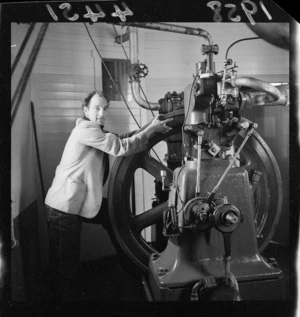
(74, 69)
(66, 37)
(86, 62)
(72, 103)
(55, 137)
(77, 112)
(83, 44)
(68, 79)
(63, 120)
(67, 87)
(60, 95)
(96, 30)
(66, 51)
(67, 127)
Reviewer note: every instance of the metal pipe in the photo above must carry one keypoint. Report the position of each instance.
(135, 87)
(198, 180)
(146, 289)
(17, 97)
(166, 27)
(133, 51)
(256, 99)
(20, 52)
(257, 85)
(173, 28)
(37, 150)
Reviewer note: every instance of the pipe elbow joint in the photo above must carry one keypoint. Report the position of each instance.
(256, 84)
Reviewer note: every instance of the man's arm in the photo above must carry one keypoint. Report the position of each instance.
(92, 135)
(131, 133)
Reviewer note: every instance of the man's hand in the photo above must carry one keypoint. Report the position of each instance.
(160, 126)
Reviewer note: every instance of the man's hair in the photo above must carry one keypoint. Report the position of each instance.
(87, 99)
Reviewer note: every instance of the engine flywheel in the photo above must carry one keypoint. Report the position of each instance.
(127, 227)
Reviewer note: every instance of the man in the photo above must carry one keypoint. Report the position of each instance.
(76, 191)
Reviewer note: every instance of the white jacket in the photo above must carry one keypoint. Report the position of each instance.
(78, 181)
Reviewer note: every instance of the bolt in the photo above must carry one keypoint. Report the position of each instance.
(155, 256)
(162, 271)
(245, 125)
(231, 218)
(273, 262)
(203, 217)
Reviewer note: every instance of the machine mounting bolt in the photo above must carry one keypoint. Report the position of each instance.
(162, 271)
(273, 262)
(155, 256)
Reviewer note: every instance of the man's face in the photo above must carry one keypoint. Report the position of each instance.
(97, 109)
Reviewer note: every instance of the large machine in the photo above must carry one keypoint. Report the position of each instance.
(219, 198)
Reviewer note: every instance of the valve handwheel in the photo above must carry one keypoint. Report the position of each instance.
(140, 70)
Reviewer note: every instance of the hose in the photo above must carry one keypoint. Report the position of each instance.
(241, 40)
(206, 283)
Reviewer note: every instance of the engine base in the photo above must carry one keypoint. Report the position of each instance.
(255, 290)
(194, 256)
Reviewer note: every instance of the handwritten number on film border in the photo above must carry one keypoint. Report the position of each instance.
(248, 6)
(94, 16)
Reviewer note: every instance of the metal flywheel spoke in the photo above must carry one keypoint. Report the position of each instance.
(149, 217)
(153, 167)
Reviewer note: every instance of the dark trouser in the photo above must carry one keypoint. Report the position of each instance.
(64, 231)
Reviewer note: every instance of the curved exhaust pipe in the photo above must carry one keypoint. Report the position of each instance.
(265, 95)
(257, 85)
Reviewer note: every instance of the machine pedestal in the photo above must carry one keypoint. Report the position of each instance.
(174, 272)
(265, 290)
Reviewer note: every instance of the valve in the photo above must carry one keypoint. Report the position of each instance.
(139, 70)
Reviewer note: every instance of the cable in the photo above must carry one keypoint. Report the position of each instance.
(245, 39)
(146, 99)
(129, 62)
(116, 86)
